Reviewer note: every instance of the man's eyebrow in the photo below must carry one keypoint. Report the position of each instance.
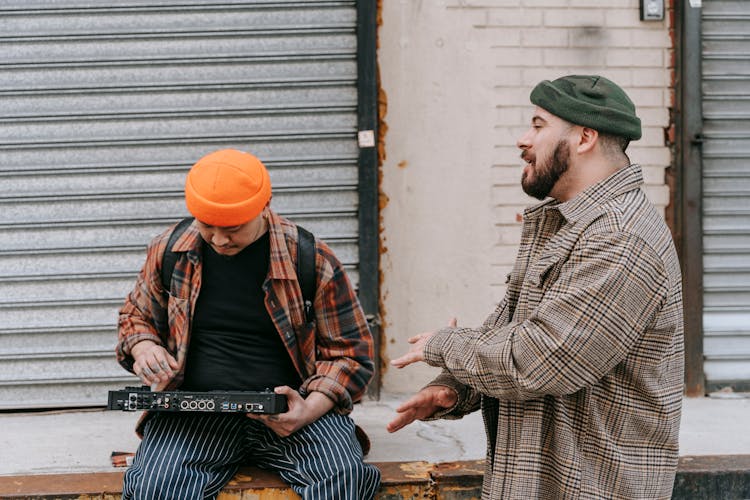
(537, 118)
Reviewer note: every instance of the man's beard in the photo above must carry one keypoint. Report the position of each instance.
(546, 174)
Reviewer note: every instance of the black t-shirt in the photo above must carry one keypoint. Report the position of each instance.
(234, 345)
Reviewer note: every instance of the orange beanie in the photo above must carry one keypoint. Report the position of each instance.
(227, 188)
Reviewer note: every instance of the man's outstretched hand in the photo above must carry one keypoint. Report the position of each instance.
(416, 351)
(423, 404)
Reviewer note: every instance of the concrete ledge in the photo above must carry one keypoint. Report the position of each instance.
(401, 480)
(698, 477)
(715, 477)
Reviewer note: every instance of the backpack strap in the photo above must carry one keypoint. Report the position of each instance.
(306, 269)
(169, 258)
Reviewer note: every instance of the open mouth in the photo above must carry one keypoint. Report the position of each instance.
(528, 158)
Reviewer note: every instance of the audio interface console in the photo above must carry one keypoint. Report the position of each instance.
(143, 398)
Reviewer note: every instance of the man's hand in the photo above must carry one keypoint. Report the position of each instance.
(416, 352)
(300, 411)
(153, 364)
(422, 405)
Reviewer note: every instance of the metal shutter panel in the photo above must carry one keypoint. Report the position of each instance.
(103, 111)
(726, 192)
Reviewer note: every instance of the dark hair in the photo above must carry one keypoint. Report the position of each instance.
(612, 142)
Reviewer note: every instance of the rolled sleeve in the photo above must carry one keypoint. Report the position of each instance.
(344, 346)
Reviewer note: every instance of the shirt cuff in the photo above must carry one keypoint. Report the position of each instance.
(434, 348)
(333, 390)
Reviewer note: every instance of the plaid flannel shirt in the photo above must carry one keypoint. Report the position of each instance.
(579, 370)
(334, 356)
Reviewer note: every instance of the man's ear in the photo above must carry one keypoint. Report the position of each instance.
(587, 140)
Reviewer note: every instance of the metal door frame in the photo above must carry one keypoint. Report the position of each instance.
(369, 220)
(688, 192)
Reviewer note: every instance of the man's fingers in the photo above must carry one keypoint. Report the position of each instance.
(401, 421)
(152, 371)
(173, 364)
(422, 405)
(406, 406)
(412, 403)
(453, 322)
(157, 360)
(404, 360)
(286, 391)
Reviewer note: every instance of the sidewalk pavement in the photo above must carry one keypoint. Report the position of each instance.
(79, 441)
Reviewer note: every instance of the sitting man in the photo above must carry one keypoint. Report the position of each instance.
(233, 319)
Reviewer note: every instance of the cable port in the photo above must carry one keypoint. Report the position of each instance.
(184, 405)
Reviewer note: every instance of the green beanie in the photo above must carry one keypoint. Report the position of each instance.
(591, 101)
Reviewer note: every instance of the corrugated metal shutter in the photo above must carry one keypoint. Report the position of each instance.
(726, 192)
(103, 109)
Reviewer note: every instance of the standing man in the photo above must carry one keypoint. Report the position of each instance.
(579, 370)
(234, 320)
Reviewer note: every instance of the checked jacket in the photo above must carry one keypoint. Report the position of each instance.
(579, 370)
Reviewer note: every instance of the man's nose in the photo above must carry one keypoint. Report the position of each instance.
(523, 141)
(219, 239)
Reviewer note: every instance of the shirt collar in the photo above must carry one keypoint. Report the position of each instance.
(189, 241)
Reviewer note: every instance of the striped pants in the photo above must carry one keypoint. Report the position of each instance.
(193, 455)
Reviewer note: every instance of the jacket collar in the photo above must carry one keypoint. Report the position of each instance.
(622, 181)
(281, 264)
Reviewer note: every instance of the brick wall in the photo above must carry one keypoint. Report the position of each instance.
(535, 40)
(459, 72)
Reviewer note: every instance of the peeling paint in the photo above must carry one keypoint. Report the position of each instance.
(416, 469)
(382, 196)
(240, 478)
(260, 494)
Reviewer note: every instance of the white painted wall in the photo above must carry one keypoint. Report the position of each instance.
(457, 75)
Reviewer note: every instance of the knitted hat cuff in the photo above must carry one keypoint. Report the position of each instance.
(590, 101)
